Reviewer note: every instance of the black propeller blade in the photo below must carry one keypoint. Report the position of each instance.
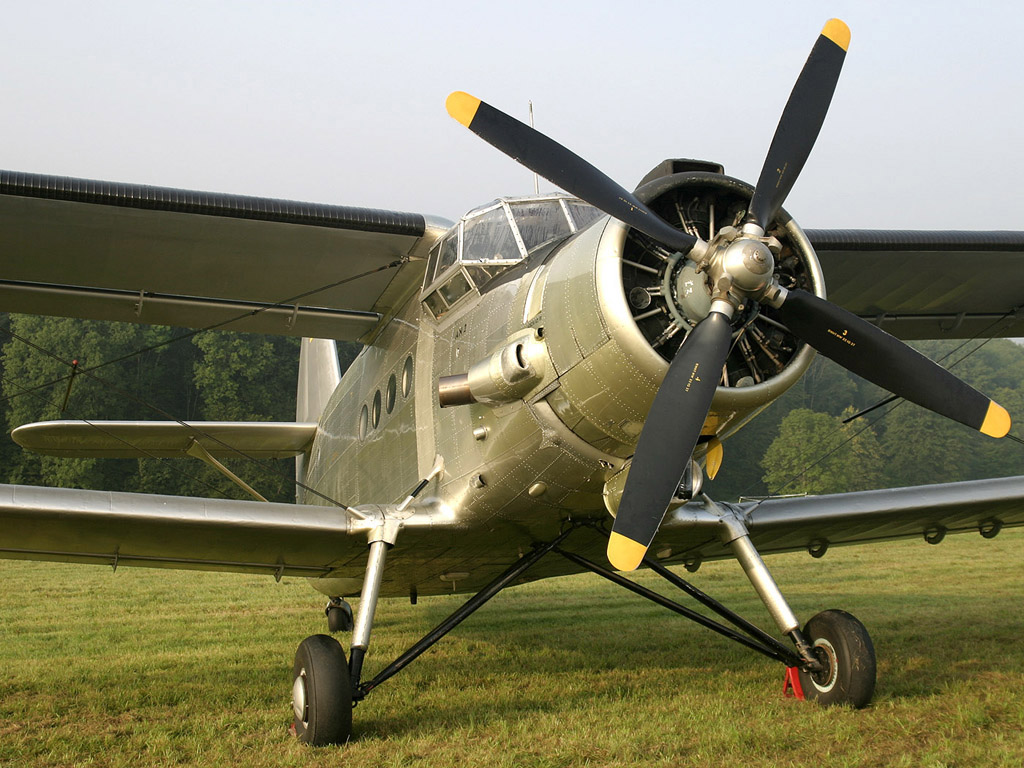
(800, 123)
(668, 438)
(562, 167)
(868, 351)
(672, 428)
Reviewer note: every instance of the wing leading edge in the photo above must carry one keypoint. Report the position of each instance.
(165, 439)
(134, 529)
(814, 523)
(101, 250)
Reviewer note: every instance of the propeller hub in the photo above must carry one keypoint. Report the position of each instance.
(749, 263)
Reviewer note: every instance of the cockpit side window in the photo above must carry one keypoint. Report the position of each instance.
(432, 262)
(539, 222)
(583, 214)
(449, 253)
(489, 237)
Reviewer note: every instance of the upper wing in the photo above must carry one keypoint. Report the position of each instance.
(107, 251)
(927, 285)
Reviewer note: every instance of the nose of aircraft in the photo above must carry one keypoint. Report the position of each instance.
(740, 272)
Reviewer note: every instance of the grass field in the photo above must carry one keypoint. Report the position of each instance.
(147, 667)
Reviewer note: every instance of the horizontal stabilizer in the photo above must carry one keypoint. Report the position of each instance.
(166, 439)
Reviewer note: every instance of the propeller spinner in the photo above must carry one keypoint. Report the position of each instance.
(740, 264)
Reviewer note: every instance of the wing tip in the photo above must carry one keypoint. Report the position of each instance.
(625, 554)
(837, 31)
(997, 421)
(462, 106)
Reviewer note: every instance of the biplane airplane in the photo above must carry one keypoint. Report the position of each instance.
(544, 384)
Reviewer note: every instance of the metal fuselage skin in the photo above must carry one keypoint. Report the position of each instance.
(536, 453)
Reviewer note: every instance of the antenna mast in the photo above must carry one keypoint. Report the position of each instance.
(536, 177)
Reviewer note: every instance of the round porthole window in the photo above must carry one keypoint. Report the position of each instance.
(375, 410)
(364, 420)
(391, 394)
(407, 377)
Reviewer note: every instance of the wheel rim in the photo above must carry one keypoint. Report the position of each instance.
(299, 697)
(826, 679)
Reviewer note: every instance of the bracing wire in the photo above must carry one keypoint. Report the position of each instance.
(195, 332)
(262, 463)
(894, 399)
(90, 372)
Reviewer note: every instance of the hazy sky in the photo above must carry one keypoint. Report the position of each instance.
(343, 102)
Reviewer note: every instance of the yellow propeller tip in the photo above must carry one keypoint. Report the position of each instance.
(997, 421)
(837, 31)
(625, 554)
(462, 107)
(715, 455)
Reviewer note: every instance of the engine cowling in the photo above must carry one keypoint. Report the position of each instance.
(617, 306)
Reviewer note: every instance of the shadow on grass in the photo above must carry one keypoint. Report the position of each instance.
(925, 647)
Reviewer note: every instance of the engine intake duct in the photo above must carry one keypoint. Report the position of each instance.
(504, 376)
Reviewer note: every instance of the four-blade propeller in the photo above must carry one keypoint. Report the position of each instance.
(674, 422)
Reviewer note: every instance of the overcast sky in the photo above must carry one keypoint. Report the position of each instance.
(342, 102)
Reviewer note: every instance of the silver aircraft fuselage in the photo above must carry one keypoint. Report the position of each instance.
(557, 378)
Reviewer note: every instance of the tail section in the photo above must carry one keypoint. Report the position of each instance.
(319, 376)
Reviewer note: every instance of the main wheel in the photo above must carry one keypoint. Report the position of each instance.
(321, 692)
(844, 648)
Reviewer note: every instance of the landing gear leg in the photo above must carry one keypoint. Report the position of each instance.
(323, 681)
(838, 656)
(367, 607)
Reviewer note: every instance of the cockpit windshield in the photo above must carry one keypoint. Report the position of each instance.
(494, 237)
(488, 237)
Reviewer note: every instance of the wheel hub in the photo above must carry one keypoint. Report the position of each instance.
(299, 697)
(825, 678)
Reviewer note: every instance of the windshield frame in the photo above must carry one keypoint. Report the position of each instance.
(440, 272)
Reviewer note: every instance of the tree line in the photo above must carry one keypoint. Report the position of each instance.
(799, 444)
(139, 372)
(804, 443)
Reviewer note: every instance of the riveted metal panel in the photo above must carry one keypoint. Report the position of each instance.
(572, 317)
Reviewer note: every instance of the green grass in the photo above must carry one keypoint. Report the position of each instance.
(148, 667)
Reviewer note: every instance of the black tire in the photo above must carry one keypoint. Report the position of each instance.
(339, 618)
(843, 646)
(321, 692)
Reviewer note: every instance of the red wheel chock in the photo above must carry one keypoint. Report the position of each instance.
(792, 688)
